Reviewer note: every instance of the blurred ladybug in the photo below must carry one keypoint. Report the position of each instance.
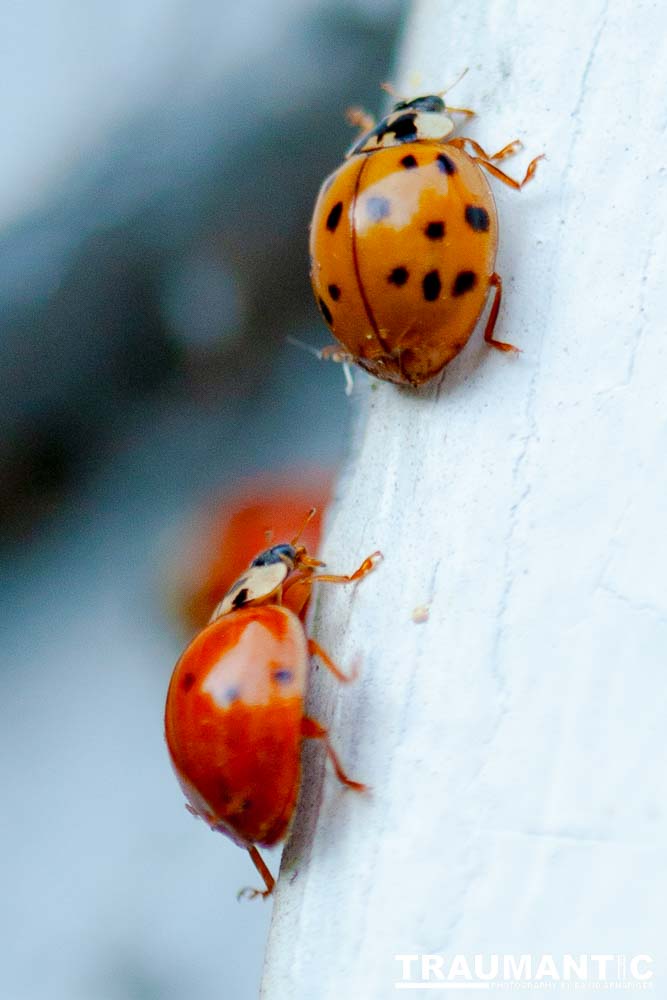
(236, 525)
(235, 719)
(403, 242)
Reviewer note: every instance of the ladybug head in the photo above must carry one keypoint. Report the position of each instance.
(266, 574)
(429, 103)
(420, 119)
(301, 558)
(284, 553)
(289, 554)
(262, 579)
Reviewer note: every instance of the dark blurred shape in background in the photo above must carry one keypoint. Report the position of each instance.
(172, 256)
(160, 162)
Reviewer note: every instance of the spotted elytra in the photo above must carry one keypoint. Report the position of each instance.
(403, 242)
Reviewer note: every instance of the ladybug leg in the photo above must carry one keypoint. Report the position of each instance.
(462, 111)
(360, 119)
(297, 594)
(263, 870)
(366, 566)
(505, 178)
(315, 649)
(496, 282)
(334, 352)
(509, 150)
(311, 729)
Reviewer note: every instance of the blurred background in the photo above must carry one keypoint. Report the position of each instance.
(160, 162)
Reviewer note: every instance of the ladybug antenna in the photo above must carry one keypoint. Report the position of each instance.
(316, 352)
(268, 535)
(309, 516)
(441, 93)
(302, 557)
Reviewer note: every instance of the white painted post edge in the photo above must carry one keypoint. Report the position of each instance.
(513, 741)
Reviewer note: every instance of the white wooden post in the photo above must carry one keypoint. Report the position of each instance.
(514, 741)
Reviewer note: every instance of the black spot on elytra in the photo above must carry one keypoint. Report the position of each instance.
(188, 682)
(477, 218)
(326, 312)
(246, 804)
(409, 162)
(283, 676)
(445, 164)
(435, 230)
(431, 285)
(333, 217)
(334, 292)
(398, 276)
(464, 281)
(377, 208)
(240, 598)
(232, 694)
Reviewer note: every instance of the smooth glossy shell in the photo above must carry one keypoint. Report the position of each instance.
(403, 243)
(233, 722)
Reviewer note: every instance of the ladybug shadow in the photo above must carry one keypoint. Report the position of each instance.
(463, 373)
(299, 845)
(320, 788)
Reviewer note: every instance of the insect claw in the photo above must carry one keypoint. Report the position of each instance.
(247, 892)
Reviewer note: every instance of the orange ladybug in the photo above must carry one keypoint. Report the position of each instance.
(403, 242)
(234, 527)
(234, 718)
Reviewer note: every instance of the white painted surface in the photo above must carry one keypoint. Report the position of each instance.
(515, 741)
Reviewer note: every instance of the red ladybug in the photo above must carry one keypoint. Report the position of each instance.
(234, 718)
